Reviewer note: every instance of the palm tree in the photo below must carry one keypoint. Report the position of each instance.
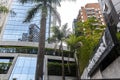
(74, 44)
(60, 33)
(42, 5)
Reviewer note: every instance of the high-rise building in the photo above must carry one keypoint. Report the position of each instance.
(19, 43)
(104, 64)
(90, 10)
(24, 37)
(33, 34)
(116, 4)
(14, 26)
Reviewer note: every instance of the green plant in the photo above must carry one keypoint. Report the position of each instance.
(54, 68)
(118, 36)
(91, 33)
(3, 9)
(31, 50)
(4, 67)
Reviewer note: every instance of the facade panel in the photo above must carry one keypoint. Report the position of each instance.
(24, 68)
(91, 10)
(14, 27)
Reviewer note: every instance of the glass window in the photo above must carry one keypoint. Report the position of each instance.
(18, 70)
(16, 27)
(24, 68)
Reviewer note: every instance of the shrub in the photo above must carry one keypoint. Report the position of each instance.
(55, 68)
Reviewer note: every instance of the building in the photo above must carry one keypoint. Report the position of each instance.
(14, 26)
(33, 33)
(117, 7)
(90, 10)
(20, 58)
(24, 37)
(3, 15)
(104, 64)
(19, 43)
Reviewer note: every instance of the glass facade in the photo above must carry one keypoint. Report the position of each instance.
(15, 29)
(24, 69)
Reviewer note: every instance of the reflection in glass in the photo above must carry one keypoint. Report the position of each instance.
(24, 68)
(15, 29)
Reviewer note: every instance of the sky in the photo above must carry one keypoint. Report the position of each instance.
(69, 10)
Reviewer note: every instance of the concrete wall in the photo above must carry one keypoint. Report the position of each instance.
(113, 70)
(97, 75)
(15, 55)
(46, 76)
(32, 44)
(60, 78)
(6, 76)
(116, 4)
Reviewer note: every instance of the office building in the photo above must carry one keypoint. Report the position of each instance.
(33, 34)
(3, 16)
(90, 10)
(24, 37)
(19, 43)
(104, 64)
(14, 26)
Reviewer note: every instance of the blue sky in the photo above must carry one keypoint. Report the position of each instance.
(69, 10)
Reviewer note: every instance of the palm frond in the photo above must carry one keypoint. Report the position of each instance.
(40, 1)
(64, 27)
(26, 1)
(65, 30)
(31, 13)
(56, 2)
(57, 15)
(57, 32)
(52, 39)
(73, 42)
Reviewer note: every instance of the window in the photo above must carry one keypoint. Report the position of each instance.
(24, 68)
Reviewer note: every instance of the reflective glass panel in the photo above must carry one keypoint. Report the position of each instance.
(24, 68)
(15, 29)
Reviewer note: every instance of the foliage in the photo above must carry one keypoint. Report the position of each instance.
(41, 6)
(3, 9)
(4, 67)
(31, 50)
(59, 35)
(91, 33)
(54, 68)
(118, 36)
(72, 42)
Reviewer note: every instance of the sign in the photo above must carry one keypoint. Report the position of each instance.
(105, 46)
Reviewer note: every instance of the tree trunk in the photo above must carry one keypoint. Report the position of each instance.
(68, 63)
(41, 46)
(55, 48)
(77, 64)
(63, 74)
